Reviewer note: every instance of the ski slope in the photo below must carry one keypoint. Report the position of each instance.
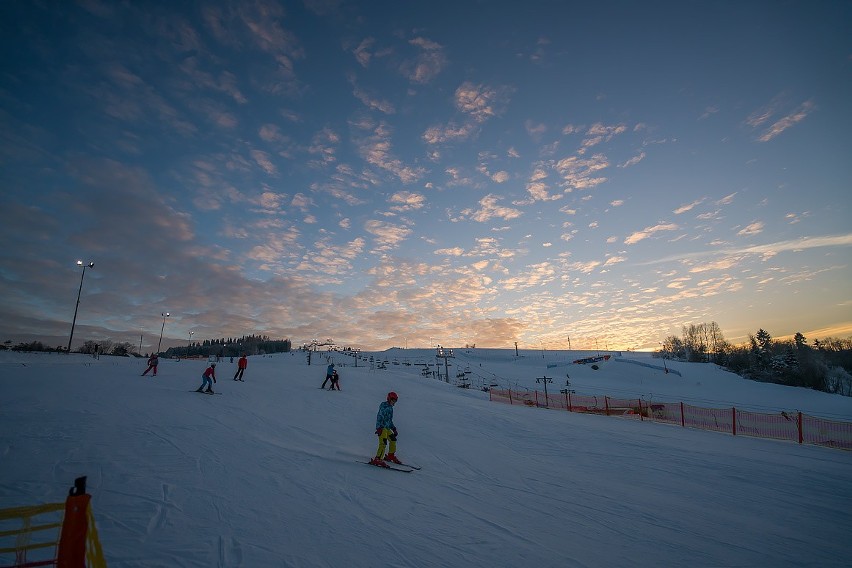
(267, 473)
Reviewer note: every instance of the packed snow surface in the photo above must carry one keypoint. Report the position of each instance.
(267, 474)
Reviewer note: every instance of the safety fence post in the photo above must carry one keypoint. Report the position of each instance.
(799, 424)
(734, 420)
(682, 421)
(72, 540)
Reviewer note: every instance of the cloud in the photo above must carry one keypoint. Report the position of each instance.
(648, 232)
(262, 160)
(633, 161)
(531, 276)
(387, 235)
(688, 206)
(585, 267)
(406, 201)
(752, 229)
(577, 171)
(452, 131)
(270, 133)
(489, 209)
(362, 52)
(329, 259)
(535, 130)
(599, 133)
(427, 65)
(709, 111)
(481, 102)
(721, 264)
(770, 249)
(541, 192)
(376, 149)
(787, 121)
(761, 117)
(372, 102)
(727, 200)
(455, 251)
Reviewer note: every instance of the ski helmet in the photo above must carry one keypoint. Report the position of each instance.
(392, 396)
(212, 364)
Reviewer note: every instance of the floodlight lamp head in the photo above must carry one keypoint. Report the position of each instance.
(91, 264)
(79, 263)
(165, 314)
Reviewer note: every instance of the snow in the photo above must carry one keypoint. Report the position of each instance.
(267, 473)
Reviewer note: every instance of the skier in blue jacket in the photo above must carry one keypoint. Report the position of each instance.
(328, 373)
(386, 431)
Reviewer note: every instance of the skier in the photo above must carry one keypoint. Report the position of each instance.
(386, 432)
(210, 373)
(335, 378)
(241, 367)
(153, 361)
(328, 372)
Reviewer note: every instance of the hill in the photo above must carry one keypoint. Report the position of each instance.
(267, 475)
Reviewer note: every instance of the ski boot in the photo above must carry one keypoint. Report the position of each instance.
(378, 462)
(392, 458)
(199, 389)
(209, 391)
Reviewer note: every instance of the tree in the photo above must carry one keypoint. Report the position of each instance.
(122, 349)
(764, 340)
(673, 347)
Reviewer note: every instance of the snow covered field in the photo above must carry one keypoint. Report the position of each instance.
(266, 473)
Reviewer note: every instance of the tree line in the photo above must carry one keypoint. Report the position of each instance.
(824, 365)
(232, 347)
(224, 347)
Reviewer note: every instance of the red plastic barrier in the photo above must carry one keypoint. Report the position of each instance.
(794, 426)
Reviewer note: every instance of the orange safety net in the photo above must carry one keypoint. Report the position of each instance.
(790, 426)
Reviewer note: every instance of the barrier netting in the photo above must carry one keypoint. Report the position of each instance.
(52, 534)
(790, 426)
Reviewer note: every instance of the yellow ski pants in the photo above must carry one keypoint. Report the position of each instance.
(385, 437)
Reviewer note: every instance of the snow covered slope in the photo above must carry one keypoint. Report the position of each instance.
(267, 473)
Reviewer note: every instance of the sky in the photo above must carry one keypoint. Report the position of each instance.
(562, 174)
(266, 473)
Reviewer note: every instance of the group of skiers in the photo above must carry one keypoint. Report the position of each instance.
(385, 428)
(210, 374)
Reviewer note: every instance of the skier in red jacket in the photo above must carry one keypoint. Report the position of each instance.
(241, 368)
(209, 374)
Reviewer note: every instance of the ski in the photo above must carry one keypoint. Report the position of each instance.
(390, 467)
(201, 392)
(414, 467)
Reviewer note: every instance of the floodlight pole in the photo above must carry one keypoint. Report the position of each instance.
(165, 315)
(188, 345)
(77, 306)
